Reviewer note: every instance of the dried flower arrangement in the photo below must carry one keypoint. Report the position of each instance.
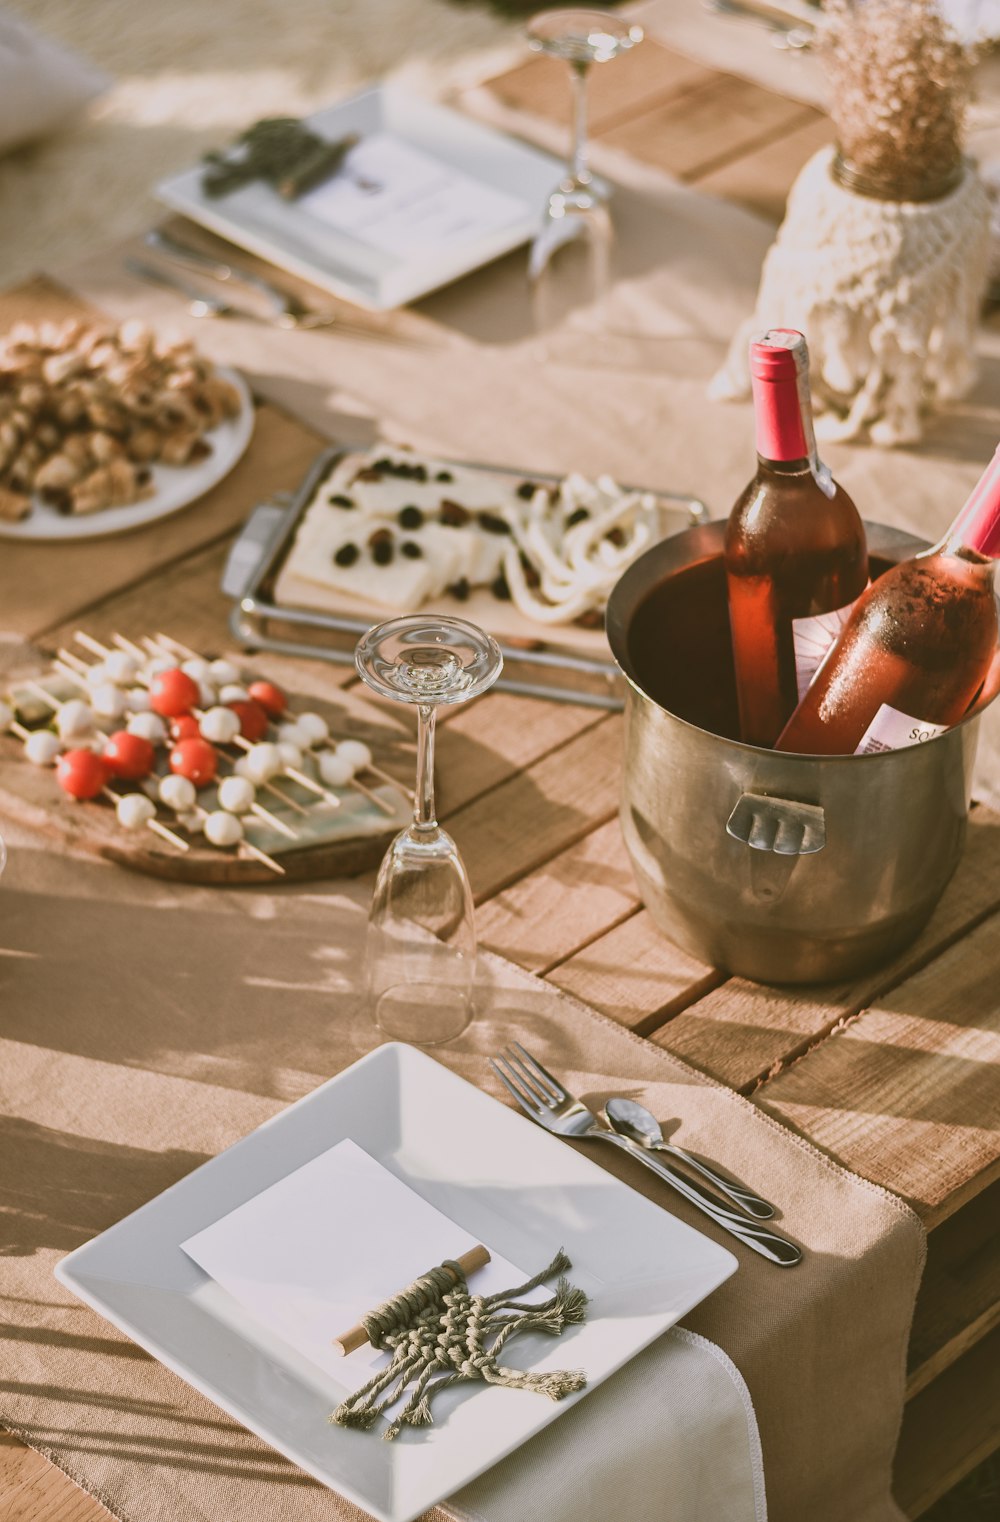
(900, 82)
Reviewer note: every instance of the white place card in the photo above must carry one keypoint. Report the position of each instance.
(402, 201)
(314, 1252)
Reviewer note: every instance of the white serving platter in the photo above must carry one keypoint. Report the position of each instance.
(513, 1186)
(175, 486)
(291, 237)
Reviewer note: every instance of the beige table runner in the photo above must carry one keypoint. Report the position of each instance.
(144, 1026)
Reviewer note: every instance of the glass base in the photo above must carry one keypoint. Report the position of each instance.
(424, 1014)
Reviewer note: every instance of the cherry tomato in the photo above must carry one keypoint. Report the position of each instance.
(129, 756)
(81, 773)
(185, 727)
(172, 693)
(194, 759)
(253, 720)
(270, 697)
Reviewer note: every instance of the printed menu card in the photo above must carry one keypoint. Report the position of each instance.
(310, 1255)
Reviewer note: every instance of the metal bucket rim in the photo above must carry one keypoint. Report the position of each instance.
(617, 636)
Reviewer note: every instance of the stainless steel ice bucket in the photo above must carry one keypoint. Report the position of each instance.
(782, 868)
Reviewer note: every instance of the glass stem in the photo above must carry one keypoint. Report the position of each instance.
(578, 164)
(423, 802)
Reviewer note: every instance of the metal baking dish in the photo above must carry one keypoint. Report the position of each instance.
(537, 669)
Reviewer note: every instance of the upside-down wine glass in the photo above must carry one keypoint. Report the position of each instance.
(569, 267)
(421, 949)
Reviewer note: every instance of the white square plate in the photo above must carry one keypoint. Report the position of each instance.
(256, 218)
(515, 1187)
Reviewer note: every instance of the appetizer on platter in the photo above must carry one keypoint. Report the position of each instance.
(192, 749)
(396, 529)
(86, 409)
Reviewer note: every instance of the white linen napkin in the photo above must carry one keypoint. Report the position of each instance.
(672, 1437)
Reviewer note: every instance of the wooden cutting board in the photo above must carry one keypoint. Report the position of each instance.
(334, 842)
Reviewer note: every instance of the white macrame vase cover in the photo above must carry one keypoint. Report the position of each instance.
(887, 293)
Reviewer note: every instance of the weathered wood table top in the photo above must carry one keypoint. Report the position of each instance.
(893, 1074)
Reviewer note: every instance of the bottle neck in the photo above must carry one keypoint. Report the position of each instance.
(786, 443)
(975, 533)
(778, 424)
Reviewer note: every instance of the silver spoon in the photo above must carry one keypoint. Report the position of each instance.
(634, 1121)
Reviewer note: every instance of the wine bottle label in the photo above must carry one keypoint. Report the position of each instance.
(812, 638)
(892, 730)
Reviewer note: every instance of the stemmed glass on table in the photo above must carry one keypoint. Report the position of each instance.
(421, 948)
(570, 262)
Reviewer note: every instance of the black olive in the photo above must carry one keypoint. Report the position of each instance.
(410, 550)
(410, 517)
(346, 555)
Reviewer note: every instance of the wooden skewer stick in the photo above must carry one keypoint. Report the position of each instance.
(468, 1262)
(176, 648)
(129, 647)
(373, 797)
(296, 776)
(89, 643)
(69, 659)
(246, 847)
(151, 824)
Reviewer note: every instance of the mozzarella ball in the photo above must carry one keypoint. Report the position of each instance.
(356, 752)
(236, 794)
(74, 719)
(314, 727)
(334, 770)
(241, 768)
(289, 733)
(220, 725)
(149, 725)
(198, 670)
(223, 672)
(223, 829)
(191, 821)
(207, 695)
(135, 810)
(96, 676)
(137, 700)
(6, 715)
(108, 700)
(263, 761)
(42, 747)
(232, 692)
(290, 754)
(177, 792)
(121, 668)
(157, 664)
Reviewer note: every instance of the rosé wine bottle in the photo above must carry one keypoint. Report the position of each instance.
(796, 557)
(917, 649)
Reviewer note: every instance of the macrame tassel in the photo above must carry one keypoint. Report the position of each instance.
(440, 1335)
(888, 295)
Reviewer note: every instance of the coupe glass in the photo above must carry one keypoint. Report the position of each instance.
(570, 262)
(421, 950)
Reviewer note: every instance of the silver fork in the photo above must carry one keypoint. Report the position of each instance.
(287, 311)
(548, 1102)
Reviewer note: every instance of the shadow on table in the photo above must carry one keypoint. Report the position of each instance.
(60, 1189)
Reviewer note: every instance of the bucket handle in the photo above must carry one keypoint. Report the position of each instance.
(778, 825)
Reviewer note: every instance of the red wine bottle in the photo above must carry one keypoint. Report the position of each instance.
(916, 651)
(796, 557)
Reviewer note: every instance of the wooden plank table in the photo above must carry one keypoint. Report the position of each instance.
(893, 1074)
